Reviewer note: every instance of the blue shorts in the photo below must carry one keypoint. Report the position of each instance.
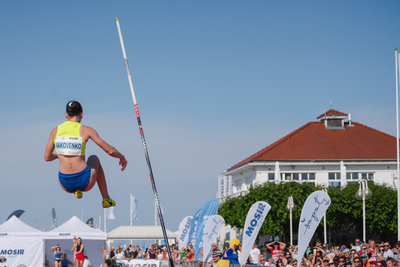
(75, 181)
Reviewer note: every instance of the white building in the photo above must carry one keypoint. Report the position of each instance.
(314, 153)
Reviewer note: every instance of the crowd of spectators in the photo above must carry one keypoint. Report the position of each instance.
(276, 254)
(357, 254)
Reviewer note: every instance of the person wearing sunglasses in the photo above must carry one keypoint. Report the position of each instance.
(387, 252)
(342, 261)
(357, 262)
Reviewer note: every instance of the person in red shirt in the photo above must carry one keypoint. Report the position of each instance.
(274, 248)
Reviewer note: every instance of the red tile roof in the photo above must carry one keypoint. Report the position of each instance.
(313, 141)
(332, 112)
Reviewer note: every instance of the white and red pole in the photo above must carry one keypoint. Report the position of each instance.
(146, 153)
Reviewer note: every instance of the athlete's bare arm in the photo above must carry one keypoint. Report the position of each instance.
(48, 153)
(110, 150)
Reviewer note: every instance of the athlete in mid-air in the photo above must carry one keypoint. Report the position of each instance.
(69, 140)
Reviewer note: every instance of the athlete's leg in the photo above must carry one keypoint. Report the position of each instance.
(97, 175)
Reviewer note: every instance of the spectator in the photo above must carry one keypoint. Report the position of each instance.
(254, 254)
(153, 252)
(275, 247)
(390, 262)
(57, 255)
(357, 245)
(65, 262)
(127, 255)
(106, 257)
(271, 262)
(388, 253)
(357, 262)
(134, 253)
(262, 261)
(87, 262)
(364, 260)
(371, 244)
(372, 262)
(176, 257)
(216, 254)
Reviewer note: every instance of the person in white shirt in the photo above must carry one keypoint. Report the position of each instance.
(119, 254)
(254, 254)
(388, 253)
(86, 262)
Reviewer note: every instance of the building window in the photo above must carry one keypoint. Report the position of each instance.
(271, 176)
(298, 176)
(334, 179)
(363, 175)
(334, 176)
(334, 184)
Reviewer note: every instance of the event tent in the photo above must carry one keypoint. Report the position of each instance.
(139, 233)
(92, 239)
(21, 244)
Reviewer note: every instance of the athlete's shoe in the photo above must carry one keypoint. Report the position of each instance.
(108, 203)
(78, 194)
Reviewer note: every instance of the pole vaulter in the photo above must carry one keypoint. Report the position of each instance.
(146, 153)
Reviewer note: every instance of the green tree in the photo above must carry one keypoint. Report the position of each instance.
(344, 211)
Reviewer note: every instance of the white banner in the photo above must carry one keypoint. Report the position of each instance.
(311, 215)
(210, 232)
(184, 228)
(21, 251)
(139, 263)
(254, 220)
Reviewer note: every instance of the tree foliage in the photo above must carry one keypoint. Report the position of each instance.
(344, 211)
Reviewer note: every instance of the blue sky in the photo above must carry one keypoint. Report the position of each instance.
(215, 81)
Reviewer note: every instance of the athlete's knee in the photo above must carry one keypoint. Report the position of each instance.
(93, 160)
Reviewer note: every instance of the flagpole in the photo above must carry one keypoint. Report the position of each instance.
(105, 221)
(397, 142)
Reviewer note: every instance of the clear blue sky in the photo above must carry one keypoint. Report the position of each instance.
(216, 81)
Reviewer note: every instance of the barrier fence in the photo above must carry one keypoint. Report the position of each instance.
(163, 263)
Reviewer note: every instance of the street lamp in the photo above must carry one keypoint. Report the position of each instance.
(291, 207)
(325, 240)
(363, 193)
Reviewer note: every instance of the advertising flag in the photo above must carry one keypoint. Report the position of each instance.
(311, 215)
(133, 208)
(193, 228)
(254, 220)
(90, 222)
(210, 233)
(16, 213)
(184, 228)
(53, 213)
(210, 208)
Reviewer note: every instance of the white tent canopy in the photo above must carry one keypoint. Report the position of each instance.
(139, 233)
(92, 239)
(75, 227)
(21, 244)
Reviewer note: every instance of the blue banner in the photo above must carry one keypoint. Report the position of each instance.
(209, 209)
(192, 232)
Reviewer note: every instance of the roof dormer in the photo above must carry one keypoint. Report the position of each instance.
(333, 119)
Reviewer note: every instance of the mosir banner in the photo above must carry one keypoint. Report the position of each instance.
(254, 220)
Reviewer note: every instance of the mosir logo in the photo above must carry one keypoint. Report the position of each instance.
(11, 252)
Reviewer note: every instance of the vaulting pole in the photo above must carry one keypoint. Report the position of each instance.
(146, 153)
